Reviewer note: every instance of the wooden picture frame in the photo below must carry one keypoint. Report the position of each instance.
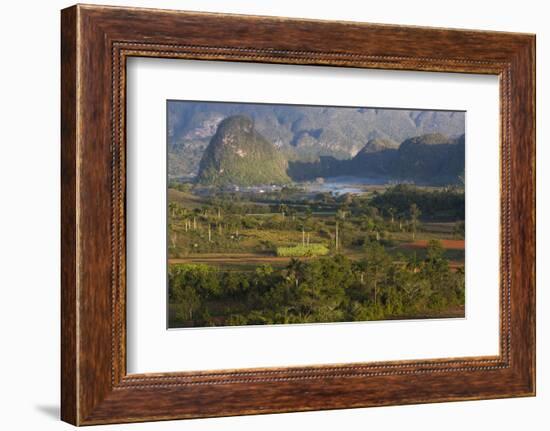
(95, 43)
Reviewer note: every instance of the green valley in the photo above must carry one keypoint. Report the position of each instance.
(265, 228)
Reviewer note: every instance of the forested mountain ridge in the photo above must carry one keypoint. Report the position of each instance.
(432, 159)
(238, 155)
(301, 133)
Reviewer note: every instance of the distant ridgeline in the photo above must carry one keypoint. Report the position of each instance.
(237, 154)
(300, 133)
(432, 158)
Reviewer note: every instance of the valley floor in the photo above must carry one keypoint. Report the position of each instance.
(268, 258)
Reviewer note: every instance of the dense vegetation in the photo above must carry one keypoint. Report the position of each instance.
(448, 202)
(289, 255)
(239, 155)
(327, 289)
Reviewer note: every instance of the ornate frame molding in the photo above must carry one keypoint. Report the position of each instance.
(96, 41)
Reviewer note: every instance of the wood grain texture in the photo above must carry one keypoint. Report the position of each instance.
(96, 41)
(69, 397)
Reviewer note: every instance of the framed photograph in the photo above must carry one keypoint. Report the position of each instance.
(264, 215)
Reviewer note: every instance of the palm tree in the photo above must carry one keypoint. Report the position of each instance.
(283, 209)
(377, 262)
(294, 269)
(391, 212)
(414, 213)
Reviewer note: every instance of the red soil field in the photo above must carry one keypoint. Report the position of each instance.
(450, 244)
